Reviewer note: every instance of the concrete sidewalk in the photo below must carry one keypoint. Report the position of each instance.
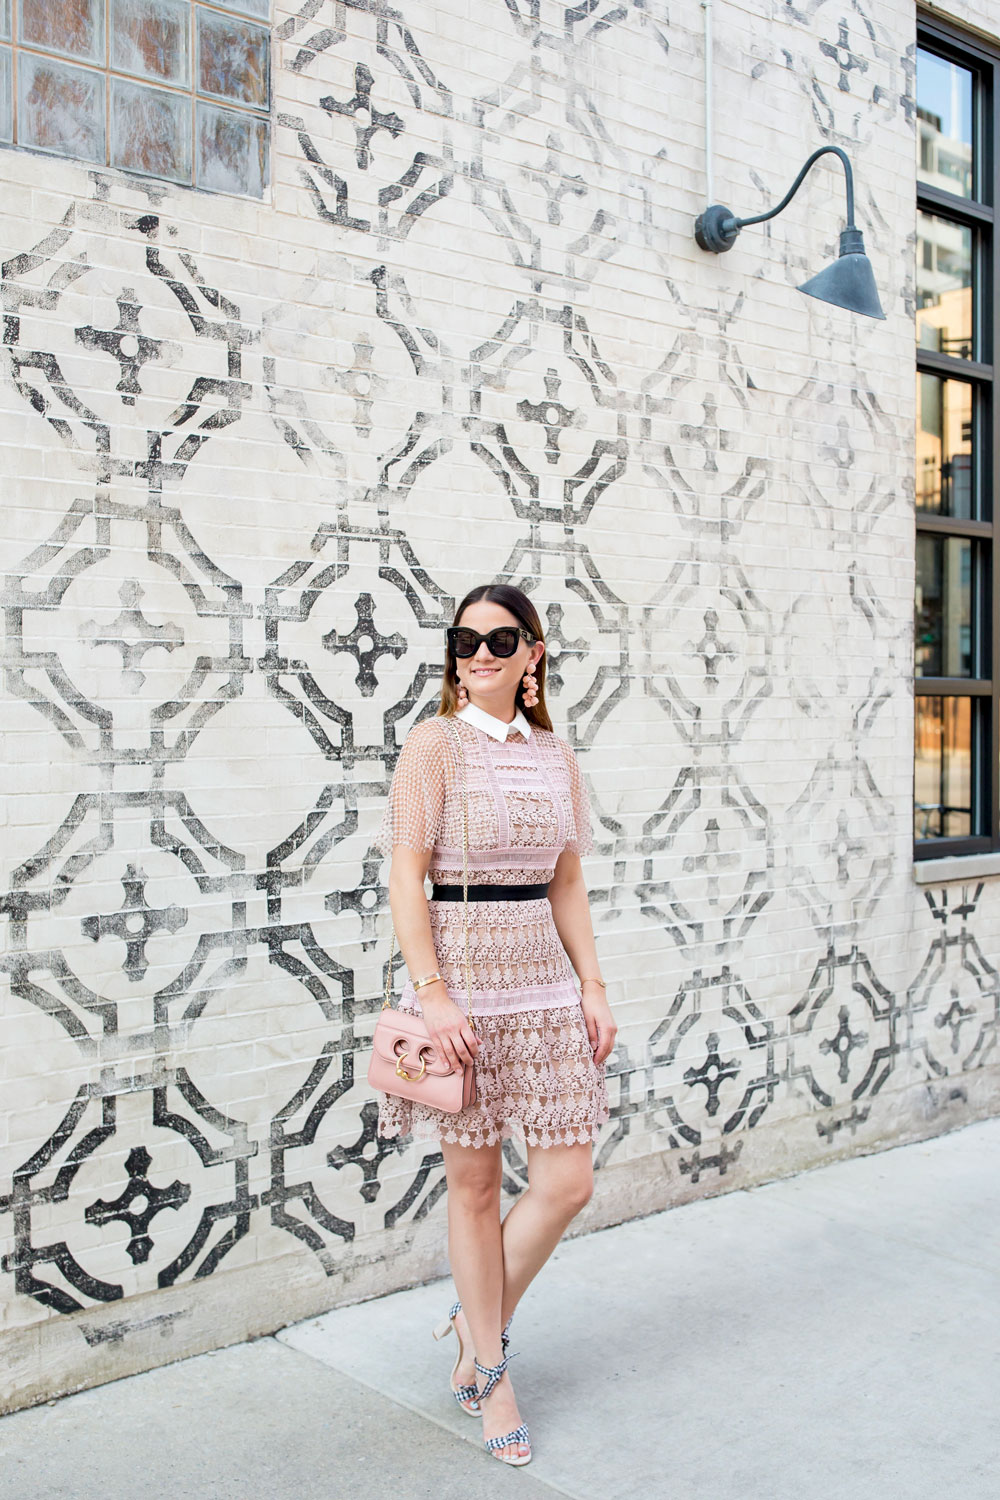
(833, 1336)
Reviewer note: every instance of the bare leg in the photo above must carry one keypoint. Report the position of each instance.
(475, 1249)
(560, 1183)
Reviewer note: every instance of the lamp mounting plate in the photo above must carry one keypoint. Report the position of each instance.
(716, 229)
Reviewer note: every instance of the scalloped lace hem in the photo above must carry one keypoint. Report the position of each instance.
(536, 1079)
(430, 1130)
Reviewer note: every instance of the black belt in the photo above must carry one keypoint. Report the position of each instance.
(491, 892)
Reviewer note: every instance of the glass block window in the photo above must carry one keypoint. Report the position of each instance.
(176, 89)
(956, 776)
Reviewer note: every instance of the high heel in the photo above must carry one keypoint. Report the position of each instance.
(494, 1373)
(465, 1395)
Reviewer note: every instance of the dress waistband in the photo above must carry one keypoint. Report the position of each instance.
(491, 892)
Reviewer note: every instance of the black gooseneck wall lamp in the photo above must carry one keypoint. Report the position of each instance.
(849, 282)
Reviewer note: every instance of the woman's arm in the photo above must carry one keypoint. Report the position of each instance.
(571, 914)
(448, 1025)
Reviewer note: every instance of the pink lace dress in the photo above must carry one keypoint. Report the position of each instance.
(536, 1077)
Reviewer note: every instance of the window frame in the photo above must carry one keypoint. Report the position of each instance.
(982, 216)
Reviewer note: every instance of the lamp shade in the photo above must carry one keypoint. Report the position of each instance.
(850, 281)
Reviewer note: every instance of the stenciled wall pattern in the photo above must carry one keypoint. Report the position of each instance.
(255, 450)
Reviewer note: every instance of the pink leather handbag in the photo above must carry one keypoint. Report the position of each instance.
(404, 1060)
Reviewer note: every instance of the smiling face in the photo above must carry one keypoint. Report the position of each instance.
(492, 681)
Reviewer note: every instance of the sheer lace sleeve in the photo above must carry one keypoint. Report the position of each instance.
(580, 838)
(414, 810)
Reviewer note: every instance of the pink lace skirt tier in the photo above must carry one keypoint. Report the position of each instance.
(536, 1078)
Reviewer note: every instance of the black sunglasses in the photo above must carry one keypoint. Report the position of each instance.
(500, 642)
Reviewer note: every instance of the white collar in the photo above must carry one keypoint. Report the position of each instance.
(495, 727)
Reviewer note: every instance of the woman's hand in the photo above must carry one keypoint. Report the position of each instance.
(601, 1027)
(449, 1027)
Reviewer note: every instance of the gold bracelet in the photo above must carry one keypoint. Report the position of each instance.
(418, 984)
(591, 979)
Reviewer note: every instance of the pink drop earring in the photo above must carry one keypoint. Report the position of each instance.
(530, 687)
(463, 694)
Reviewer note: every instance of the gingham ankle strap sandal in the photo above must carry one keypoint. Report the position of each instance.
(494, 1373)
(467, 1396)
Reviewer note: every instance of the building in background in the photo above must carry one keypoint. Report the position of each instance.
(314, 316)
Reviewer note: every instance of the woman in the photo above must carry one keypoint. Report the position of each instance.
(538, 1045)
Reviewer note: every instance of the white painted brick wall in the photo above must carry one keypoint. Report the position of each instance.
(769, 446)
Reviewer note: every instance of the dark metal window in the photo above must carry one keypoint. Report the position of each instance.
(956, 780)
(175, 89)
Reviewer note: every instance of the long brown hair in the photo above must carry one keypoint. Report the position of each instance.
(525, 613)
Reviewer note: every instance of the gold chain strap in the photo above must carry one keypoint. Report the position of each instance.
(465, 889)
